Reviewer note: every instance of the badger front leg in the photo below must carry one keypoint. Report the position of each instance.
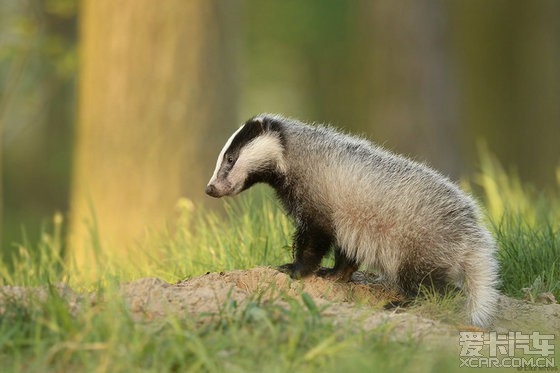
(343, 268)
(310, 246)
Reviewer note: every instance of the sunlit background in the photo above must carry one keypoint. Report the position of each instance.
(116, 109)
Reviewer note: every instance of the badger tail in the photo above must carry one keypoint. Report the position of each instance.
(480, 270)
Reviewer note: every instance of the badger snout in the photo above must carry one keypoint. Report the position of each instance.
(218, 187)
(212, 191)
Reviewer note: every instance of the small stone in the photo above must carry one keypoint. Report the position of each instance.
(546, 298)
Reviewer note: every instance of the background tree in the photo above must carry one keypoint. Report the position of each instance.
(507, 57)
(375, 67)
(153, 87)
(411, 99)
(37, 79)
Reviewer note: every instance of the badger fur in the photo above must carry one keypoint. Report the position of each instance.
(375, 208)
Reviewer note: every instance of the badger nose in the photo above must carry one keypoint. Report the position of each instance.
(211, 190)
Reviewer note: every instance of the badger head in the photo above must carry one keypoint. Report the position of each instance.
(254, 153)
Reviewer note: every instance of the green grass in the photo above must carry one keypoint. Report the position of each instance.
(254, 231)
(529, 257)
(526, 224)
(258, 335)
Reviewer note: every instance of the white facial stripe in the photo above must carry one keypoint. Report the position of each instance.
(221, 156)
(261, 150)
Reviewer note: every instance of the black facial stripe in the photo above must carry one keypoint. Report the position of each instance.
(250, 130)
(253, 128)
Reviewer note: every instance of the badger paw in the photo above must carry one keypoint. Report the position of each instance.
(294, 270)
(335, 274)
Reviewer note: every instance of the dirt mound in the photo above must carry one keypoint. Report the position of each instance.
(208, 292)
(359, 302)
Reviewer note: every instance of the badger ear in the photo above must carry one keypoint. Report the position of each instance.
(261, 123)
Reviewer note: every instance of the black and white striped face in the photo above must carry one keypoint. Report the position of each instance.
(249, 156)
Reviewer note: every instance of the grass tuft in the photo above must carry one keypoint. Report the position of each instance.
(526, 224)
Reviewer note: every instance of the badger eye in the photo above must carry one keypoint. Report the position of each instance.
(229, 159)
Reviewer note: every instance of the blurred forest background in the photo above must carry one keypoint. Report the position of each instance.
(121, 107)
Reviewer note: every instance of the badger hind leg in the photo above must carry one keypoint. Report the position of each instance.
(414, 275)
(343, 268)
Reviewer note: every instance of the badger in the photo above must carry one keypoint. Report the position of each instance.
(375, 208)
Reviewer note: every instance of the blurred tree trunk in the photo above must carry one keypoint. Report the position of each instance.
(36, 113)
(409, 94)
(508, 53)
(152, 87)
(1, 190)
